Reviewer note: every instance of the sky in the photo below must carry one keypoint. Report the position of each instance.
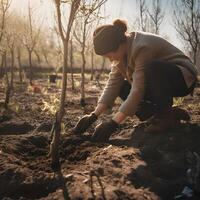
(125, 9)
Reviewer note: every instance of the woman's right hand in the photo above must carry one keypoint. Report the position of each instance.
(84, 123)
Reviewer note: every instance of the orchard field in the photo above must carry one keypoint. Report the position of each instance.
(132, 165)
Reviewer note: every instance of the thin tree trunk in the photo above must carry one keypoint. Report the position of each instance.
(8, 88)
(98, 76)
(92, 65)
(83, 77)
(72, 63)
(12, 70)
(19, 64)
(2, 68)
(54, 150)
(64, 80)
(2, 26)
(30, 67)
(54, 147)
(102, 66)
(5, 67)
(45, 57)
(38, 58)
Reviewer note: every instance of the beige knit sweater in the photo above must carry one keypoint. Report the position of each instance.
(143, 48)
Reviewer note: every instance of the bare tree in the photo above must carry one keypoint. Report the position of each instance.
(4, 6)
(156, 15)
(30, 39)
(141, 21)
(45, 55)
(8, 86)
(46, 46)
(1, 66)
(72, 63)
(43, 48)
(150, 17)
(143, 15)
(89, 12)
(187, 24)
(37, 54)
(19, 45)
(59, 52)
(10, 38)
(19, 63)
(90, 48)
(92, 65)
(65, 36)
(7, 82)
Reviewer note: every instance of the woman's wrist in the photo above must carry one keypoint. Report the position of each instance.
(100, 109)
(119, 117)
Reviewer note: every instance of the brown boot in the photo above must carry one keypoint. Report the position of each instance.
(166, 119)
(180, 114)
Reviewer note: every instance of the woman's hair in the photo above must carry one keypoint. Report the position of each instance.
(107, 38)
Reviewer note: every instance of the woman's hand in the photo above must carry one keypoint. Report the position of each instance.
(104, 130)
(84, 123)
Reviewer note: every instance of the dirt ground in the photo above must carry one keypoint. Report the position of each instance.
(132, 165)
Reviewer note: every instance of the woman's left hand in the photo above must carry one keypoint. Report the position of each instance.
(104, 130)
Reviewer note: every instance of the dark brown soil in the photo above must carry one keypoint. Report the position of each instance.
(132, 165)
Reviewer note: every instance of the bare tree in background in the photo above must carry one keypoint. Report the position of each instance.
(4, 6)
(90, 42)
(89, 12)
(8, 87)
(72, 63)
(45, 53)
(143, 16)
(92, 65)
(65, 36)
(142, 20)
(3, 53)
(43, 48)
(2, 71)
(150, 16)
(10, 42)
(187, 24)
(156, 15)
(18, 49)
(19, 44)
(58, 49)
(37, 54)
(47, 47)
(30, 39)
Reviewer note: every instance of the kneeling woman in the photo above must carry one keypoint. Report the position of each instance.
(149, 72)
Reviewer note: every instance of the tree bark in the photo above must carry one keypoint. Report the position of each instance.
(19, 64)
(38, 58)
(8, 89)
(12, 70)
(92, 65)
(83, 71)
(2, 70)
(45, 57)
(2, 25)
(30, 67)
(72, 64)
